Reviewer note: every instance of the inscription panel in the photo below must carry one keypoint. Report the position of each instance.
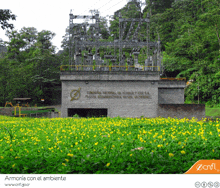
(118, 95)
(125, 99)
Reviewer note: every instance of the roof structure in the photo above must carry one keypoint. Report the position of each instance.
(21, 99)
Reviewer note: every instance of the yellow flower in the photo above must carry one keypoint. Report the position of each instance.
(108, 164)
(11, 149)
(71, 155)
(2, 157)
(122, 143)
(96, 143)
(63, 164)
(71, 146)
(171, 155)
(183, 152)
(94, 136)
(13, 165)
(67, 160)
(213, 150)
(76, 143)
(130, 155)
(105, 147)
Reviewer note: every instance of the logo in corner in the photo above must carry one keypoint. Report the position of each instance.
(205, 167)
(75, 94)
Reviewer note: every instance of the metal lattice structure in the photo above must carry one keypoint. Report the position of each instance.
(83, 40)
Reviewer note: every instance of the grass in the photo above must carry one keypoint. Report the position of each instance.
(105, 145)
(212, 111)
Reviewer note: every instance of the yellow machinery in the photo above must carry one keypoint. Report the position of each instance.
(19, 112)
(8, 103)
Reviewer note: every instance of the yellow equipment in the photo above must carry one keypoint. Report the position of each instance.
(19, 112)
(8, 103)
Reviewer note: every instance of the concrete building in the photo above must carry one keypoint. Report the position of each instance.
(124, 94)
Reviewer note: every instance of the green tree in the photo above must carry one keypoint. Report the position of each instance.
(5, 16)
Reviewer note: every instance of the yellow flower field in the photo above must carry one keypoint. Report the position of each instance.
(105, 145)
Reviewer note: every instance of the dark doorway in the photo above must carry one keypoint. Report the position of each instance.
(88, 112)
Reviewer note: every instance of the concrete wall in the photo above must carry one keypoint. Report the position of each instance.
(105, 75)
(129, 98)
(126, 94)
(182, 110)
(7, 111)
(171, 91)
(170, 95)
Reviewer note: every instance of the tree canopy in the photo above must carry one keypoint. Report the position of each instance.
(5, 16)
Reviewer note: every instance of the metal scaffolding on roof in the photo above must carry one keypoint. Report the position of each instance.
(88, 40)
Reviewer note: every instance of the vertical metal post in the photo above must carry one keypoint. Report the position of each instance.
(158, 53)
(96, 37)
(148, 38)
(120, 40)
(70, 41)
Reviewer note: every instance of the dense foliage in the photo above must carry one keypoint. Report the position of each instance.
(30, 68)
(189, 33)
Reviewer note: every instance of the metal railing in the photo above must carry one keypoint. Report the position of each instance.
(108, 68)
(173, 78)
